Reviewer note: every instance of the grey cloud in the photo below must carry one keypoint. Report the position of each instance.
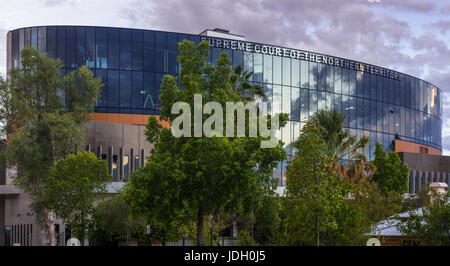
(442, 26)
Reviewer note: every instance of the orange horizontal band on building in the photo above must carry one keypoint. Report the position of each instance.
(405, 146)
(130, 119)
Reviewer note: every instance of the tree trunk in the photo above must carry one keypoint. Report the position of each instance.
(317, 232)
(200, 228)
(50, 228)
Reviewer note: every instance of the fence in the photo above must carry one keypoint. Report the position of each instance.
(16, 235)
(186, 241)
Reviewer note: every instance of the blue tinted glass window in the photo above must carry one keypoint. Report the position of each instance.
(277, 70)
(138, 89)
(80, 46)
(103, 98)
(113, 88)
(90, 53)
(304, 77)
(157, 90)
(359, 84)
(397, 91)
(366, 84)
(149, 91)
(337, 102)
(391, 91)
(359, 113)
(258, 67)
(42, 39)
(380, 113)
(248, 63)
(313, 75)
(373, 87)
(61, 43)
(373, 115)
(321, 104)
(101, 48)
(304, 107)
(352, 79)
(149, 51)
(113, 48)
(286, 102)
(125, 49)
(215, 55)
(379, 88)
(312, 103)
(161, 52)
(70, 47)
(352, 112)
(137, 57)
(51, 42)
(269, 96)
(125, 89)
(345, 81)
(34, 37)
(172, 57)
(345, 109)
(295, 72)
(267, 68)
(337, 80)
(286, 63)
(238, 58)
(330, 78)
(295, 104)
(276, 99)
(322, 72)
(386, 94)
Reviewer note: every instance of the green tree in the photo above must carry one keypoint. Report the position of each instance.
(390, 175)
(268, 220)
(73, 186)
(41, 128)
(340, 144)
(111, 221)
(430, 224)
(313, 194)
(210, 175)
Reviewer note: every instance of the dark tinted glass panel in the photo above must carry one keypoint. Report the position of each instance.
(304, 107)
(149, 89)
(313, 75)
(352, 79)
(125, 49)
(366, 84)
(137, 59)
(61, 43)
(295, 108)
(149, 51)
(267, 68)
(70, 47)
(103, 99)
(113, 49)
(359, 84)
(34, 37)
(42, 39)
(51, 42)
(345, 81)
(258, 67)
(80, 46)
(277, 70)
(138, 89)
(337, 80)
(113, 88)
(322, 72)
(295, 72)
(90, 53)
(304, 77)
(125, 89)
(238, 58)
(101, 48)
(286, 71)
(161, 52)
(172, 57)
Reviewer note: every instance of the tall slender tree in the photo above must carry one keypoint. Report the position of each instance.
(41, 125)
(209, 175)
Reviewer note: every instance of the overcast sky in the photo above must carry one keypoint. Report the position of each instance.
(411, 36)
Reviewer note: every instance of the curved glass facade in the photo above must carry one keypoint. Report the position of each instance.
(378, 103)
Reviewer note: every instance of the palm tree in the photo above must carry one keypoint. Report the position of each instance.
(241, 85)
(343, 147)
